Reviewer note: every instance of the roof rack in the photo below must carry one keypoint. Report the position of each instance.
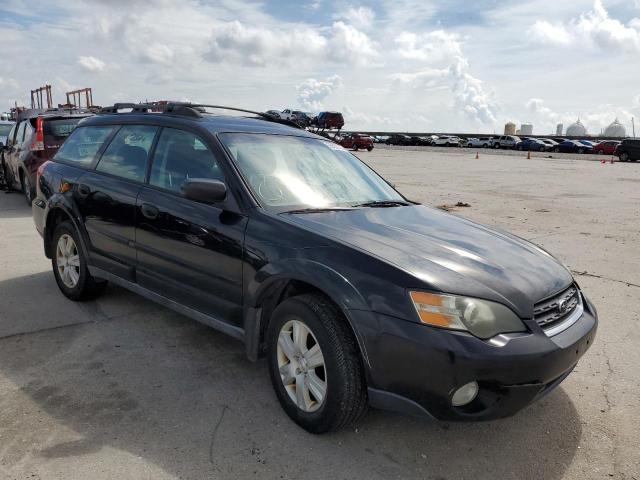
(194, 110)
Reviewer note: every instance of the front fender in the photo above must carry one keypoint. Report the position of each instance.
(267, 283)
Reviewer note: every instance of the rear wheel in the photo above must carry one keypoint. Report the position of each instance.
(70, 266)
(581, 150)
(496, 146)
(556, 149)
(315, 364)
(369, 148)
(600, 152)
(519, 147)
(624, 157)
(447, 144)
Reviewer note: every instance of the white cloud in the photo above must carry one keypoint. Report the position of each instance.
(261, 47)
(430, 47)
(360, 17)
(470, 95)
(312, 92)
(545, 32)
(595, 29)
(91, 64)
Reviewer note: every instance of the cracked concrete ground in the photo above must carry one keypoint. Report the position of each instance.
(123, 388)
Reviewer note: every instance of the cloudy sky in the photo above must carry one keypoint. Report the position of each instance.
(394, 65)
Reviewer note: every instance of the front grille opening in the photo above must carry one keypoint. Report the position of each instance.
(553, 311)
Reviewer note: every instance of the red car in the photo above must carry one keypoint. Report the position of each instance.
(606, 147)
(356, 141)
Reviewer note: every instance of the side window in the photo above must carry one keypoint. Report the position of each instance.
(179, 156)
(127, 154)
(83, 144)
(20, 133)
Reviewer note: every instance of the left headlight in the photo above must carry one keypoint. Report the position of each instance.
(482, 318)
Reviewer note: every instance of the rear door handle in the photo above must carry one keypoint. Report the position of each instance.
(149, 211)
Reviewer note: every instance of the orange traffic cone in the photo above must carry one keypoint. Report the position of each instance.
(603, 161)
(529, 155)
(477, 156)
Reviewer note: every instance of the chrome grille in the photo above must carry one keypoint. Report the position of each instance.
(553, 312)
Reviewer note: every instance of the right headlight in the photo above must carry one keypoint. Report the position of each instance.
(482, 318)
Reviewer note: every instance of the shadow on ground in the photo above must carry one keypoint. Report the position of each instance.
(184, 399)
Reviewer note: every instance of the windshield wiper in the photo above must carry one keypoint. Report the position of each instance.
(318, 209)
(383, 203)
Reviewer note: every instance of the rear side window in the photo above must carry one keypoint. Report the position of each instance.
(180, 156)
(127, 154)
(20, 134)
(82, 147)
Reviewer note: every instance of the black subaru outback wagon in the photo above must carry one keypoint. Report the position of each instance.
(286, 241)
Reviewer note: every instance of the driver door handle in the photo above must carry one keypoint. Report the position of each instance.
(149, 211)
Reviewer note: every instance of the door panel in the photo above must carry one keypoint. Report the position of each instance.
(108, 209)
(190, 253)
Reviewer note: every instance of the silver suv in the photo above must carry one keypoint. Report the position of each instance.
(506, 141)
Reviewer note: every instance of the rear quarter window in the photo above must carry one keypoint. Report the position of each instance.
(83, 144)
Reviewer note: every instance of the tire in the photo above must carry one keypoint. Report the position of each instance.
(542, 149)
(496, 146)
(581, 150)
(369, 149)
(355, 147)
(27, 189)
(600, 152)
(486, 145)
(519, 148)
(345, 393)
(447, 144)
(79, 284)
(556, 149)
(624, 157)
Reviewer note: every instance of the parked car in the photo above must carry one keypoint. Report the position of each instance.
(357, 141)
(587, 142)
(302, 118)
(549, 143)
(506, 141)
(532, 144)
(398, 139)
(628, 150)
(329, 120)
(482, 142)
(35, 138)
(380, 138)
(606, 147)
(315, 262)
(274, 113)
(447, 141)
(572, 146)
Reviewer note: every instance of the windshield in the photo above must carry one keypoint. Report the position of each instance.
(295, 172)
(5, 128)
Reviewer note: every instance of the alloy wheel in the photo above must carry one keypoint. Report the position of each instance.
(301, 365)
(68, 260)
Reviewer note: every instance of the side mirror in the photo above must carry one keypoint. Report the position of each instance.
(204, 190)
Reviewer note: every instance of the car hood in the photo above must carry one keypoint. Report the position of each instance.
(447, 253)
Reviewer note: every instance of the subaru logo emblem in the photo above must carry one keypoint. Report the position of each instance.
(563, 306)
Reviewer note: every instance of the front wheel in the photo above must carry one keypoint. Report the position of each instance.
(315, 365)
(624, 157)
(70, 265)
(496, 146)
(369, 149)
(600, 152)
(581, 150)
(556, 149)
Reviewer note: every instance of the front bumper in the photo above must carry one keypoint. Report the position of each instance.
(415, 369)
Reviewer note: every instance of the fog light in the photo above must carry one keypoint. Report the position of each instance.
(465, 394)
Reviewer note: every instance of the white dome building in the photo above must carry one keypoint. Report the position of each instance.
(616, 129)
(576, 130)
